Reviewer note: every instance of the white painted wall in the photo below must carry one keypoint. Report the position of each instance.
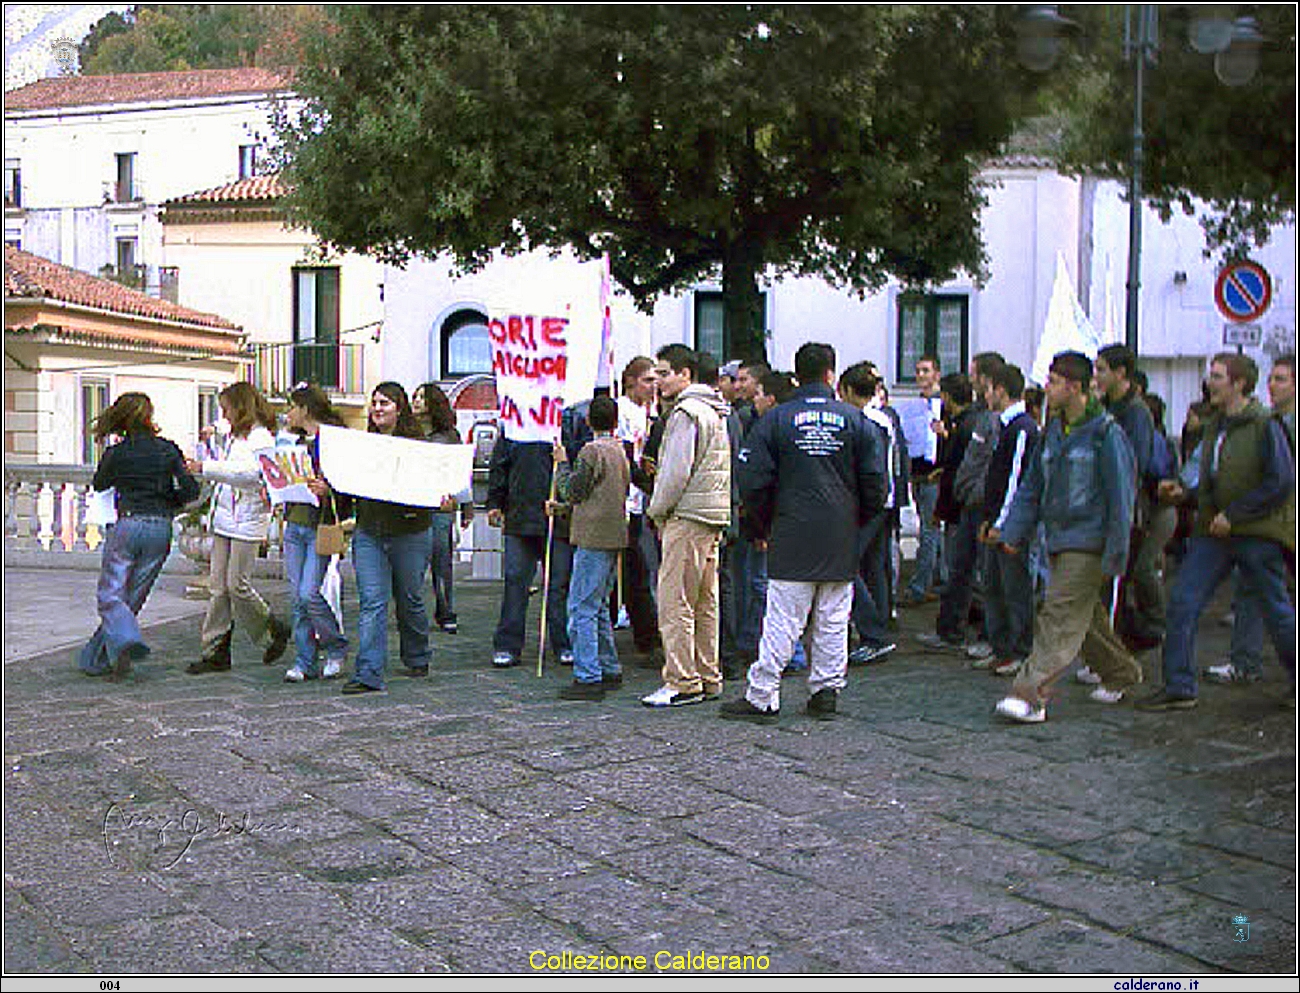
(1032, 215)
(244, 272)
(68, 162)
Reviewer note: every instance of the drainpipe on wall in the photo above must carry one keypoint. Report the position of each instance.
(1087, 205)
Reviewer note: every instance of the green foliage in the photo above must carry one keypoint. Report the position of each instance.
(837, 141)
(167, 37)
(1233, 148)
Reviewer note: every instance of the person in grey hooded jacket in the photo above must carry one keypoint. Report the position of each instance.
(1080, 485)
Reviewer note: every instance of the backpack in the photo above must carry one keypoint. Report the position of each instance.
(1163, 463)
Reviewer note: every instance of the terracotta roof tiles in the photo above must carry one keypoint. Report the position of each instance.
(30, 276)
(254, 189)
(145, 87)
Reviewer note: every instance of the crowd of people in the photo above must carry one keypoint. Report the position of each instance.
(746, 523)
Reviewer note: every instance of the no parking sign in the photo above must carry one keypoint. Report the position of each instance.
(1243, 291)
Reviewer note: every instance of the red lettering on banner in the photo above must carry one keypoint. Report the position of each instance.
(515, 326)
(497, 331)
(553, 331)
(549, 414)
(532, 333)
(510, 412)
(529, 367)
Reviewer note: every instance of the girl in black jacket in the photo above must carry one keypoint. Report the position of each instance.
(148, 473)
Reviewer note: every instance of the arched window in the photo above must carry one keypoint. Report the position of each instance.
(466, 348)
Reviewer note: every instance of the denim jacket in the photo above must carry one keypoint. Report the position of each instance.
(1081, 485)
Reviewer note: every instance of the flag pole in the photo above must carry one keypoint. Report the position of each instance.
(546, 576)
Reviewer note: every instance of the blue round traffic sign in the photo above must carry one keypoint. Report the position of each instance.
(1243, 291)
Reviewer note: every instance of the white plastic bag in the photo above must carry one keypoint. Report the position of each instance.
(331, 588)
(101, 507)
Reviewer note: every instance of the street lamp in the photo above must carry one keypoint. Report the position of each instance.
(1235, 45)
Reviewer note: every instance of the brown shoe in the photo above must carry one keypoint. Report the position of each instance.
(280, 635)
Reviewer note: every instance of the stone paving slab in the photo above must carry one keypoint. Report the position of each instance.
(238, 825)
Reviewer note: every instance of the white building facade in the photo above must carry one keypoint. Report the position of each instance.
(434, 320)
(90, 159)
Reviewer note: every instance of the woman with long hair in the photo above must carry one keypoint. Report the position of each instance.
(241, 517)
(315, 625)
(431, 405)
(152, 484)
(390, 551)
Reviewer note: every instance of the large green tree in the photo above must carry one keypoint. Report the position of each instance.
(1230, 149)
(688, 142)
(164, 37)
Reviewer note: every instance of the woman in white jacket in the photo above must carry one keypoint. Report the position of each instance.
(241, 516)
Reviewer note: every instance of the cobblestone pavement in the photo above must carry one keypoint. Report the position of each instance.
(235, 824)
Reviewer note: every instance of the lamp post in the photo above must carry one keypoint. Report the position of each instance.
(1235, 45)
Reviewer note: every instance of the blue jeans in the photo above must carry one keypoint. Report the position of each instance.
(134, 552)
(441, 561)
(523, 554)
(871, 600)
(1247, 633)
(390, 566)
(1262, 571)
(929, 551)
(314, 623)
(590, 629)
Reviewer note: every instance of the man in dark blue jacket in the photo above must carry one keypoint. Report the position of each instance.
(811, 473)
(519, 482)
(1008, 585)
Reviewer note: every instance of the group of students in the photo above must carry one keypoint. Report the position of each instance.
(393, 545)
(1097, 492)
(689, 480)
(666, 501)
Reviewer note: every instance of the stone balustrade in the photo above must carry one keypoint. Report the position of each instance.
(45, 510)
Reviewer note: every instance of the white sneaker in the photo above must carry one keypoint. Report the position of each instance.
(623, 620)
(979, 650)
(666, 696)
(504, 660)
(1086, 676)
(1015, 709)
(333, 669)
(1103, 695)
(294, 675)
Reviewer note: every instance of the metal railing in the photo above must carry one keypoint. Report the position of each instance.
(336, 368)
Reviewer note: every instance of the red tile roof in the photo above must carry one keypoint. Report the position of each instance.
(145, 87)
(30, 276)
(257, 188)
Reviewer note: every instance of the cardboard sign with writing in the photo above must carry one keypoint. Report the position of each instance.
(396, 470)
(285, 471)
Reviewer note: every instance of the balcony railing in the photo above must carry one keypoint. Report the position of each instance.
(276, 369)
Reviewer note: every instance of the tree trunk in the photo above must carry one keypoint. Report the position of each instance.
(742, 305)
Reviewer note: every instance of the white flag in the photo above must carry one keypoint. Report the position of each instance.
(1068, 328)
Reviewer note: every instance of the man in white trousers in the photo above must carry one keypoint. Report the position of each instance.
(812, 472)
